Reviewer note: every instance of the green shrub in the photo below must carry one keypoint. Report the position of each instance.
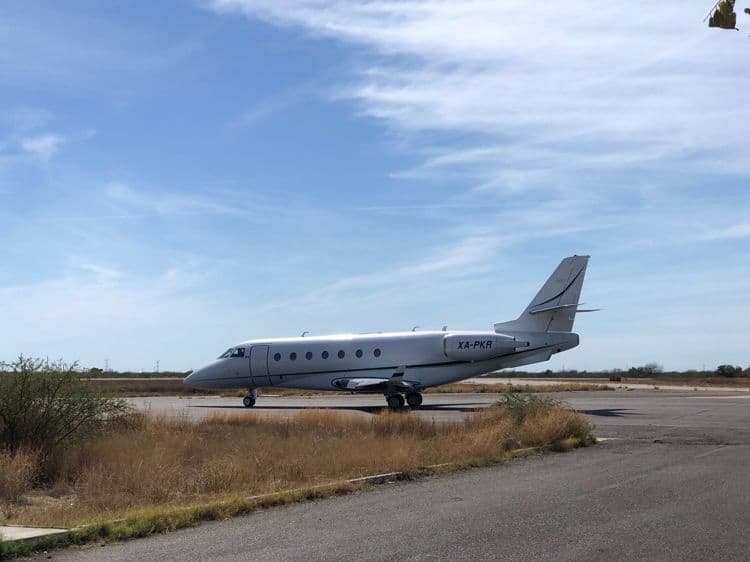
(44, 406)
(521, 406)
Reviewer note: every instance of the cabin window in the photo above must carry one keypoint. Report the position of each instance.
(359, 353)
(293, 356)
(308, 355)
(324, 355)
(341, 353)
(376, 353)
(277, 357)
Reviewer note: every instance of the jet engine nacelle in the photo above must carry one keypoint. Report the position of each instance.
(475, 347)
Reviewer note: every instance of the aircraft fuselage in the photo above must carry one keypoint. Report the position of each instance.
(325, 363)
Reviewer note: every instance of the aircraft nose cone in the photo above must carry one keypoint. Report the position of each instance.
(203, 378)
(192, 379)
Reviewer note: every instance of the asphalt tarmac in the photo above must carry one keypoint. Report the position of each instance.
(670, 482)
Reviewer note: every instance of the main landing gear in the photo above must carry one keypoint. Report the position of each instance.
(396, 401)
(249, 400)
(414, 400)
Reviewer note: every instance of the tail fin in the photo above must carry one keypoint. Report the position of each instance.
(555, 305)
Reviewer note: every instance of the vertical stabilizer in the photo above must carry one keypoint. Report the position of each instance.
(554, 307)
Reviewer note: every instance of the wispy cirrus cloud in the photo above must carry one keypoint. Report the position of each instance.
(566, 88)
(461, 258)
(25, 134)
(103, 275)
(165, 203)
(734, 231)
(239, 205)
(44, 146)
(97, 308)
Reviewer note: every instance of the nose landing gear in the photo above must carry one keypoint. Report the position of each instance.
(249, 400)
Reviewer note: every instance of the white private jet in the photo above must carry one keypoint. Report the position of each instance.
(402, 364)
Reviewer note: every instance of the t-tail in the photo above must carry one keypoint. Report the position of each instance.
(554, 307)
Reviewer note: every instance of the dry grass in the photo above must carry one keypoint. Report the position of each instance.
(504, 387)
(171, 463)
(17, 471)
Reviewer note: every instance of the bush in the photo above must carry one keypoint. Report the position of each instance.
(45, 405)
(521, 406)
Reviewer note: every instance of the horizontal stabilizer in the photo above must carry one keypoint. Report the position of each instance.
(551, 308)
(562, 307)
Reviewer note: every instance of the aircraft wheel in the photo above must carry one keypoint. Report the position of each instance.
(395, 401)
(248, 401)
(414, 400)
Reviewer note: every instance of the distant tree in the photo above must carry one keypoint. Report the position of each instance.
(647, 370)
(728, 371)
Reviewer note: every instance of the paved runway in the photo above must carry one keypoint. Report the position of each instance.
(604, 382)
(672, 484)
(440, 407)
(611, 411)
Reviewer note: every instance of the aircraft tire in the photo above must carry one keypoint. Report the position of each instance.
(248, 401)
(414, 400)
(395, 401)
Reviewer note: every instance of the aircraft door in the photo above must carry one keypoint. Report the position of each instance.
(259, 365)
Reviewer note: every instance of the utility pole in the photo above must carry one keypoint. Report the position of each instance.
(106, 365)
(157, 365)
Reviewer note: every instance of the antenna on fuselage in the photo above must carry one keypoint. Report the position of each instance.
(414, 329)
(303, 333)
(445, 328)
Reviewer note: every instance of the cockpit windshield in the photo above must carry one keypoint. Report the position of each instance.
(233, 352)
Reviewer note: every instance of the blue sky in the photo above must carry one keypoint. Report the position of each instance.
(176, 177)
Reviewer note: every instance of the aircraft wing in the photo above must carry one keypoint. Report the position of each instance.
(374, 385)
